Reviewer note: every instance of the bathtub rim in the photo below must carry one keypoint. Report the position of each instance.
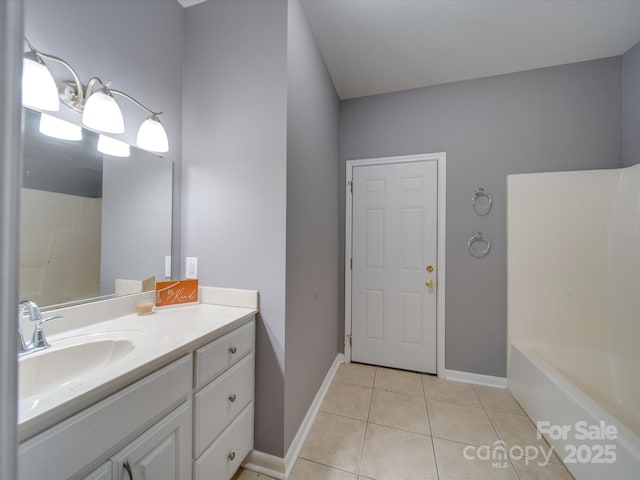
(626, 437)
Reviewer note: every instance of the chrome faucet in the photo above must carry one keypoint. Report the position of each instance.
(38, 340)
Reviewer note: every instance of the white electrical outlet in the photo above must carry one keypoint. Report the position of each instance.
(192, 267)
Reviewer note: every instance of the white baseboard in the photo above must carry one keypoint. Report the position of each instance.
(305, 426)
(280, 468)
(475, 378)
(265, 464)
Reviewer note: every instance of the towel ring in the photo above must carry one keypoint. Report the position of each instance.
(482, 202)
(478, 237)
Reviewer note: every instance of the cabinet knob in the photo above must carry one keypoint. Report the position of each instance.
(232, 397)
(232, 350)
(231, 456)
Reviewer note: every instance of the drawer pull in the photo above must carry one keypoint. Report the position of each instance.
(233, 350)
(232, 397)
(232, 456)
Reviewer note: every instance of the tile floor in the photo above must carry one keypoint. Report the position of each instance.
(383, 424)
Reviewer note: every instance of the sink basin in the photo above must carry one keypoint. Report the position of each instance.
(58, 366)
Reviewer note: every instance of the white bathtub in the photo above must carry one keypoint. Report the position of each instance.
(566, 386)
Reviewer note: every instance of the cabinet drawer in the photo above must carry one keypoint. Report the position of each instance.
(220, 402)
(213, 359)
(222, 459)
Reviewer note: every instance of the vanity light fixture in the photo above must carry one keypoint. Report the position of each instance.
(58, 128)
(96, 101)
(113, 147)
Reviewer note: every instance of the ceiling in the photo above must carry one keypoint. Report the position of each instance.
(380, 46)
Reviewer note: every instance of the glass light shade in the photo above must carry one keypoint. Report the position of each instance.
(102, 113)
(39, 89)
(57, 128)
(152, 136)
(113, 147)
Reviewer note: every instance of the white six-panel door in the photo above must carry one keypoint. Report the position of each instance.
(394, 250)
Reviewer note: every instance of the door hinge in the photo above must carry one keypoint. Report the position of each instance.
(350, 340)
(351, 263)
(350, 182)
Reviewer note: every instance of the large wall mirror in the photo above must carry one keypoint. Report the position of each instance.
(90, 221)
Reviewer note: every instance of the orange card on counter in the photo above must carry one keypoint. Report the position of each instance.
(177, 292)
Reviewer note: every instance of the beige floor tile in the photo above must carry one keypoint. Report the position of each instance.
(519, 431)
(356, 373)
(391, 454)
(399, 381)
(453, 464)
(498, 399)
(243, 474)
(533, 471)
(305, 470)
(448, 391)
(348, 400)
(335, 441)
(364, 478)
(460, 423)
(399, 410)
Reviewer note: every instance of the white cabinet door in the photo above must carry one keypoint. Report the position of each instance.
(394, 265)
(161, 453)
(103, 472)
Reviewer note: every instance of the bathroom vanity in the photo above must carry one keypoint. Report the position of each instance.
(170, 396)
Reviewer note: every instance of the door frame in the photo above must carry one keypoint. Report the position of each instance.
(441, 160)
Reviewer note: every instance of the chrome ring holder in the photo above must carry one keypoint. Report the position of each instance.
(482, 202)
(477, 238)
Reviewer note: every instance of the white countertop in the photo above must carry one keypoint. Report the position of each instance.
(159, 338)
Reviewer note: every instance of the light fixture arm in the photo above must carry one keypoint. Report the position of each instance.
(130, 98)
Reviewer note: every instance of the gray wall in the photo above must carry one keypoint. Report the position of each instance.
(312, 221)
(234, 173)
(552, 119)
(631, 106)
(138, 45)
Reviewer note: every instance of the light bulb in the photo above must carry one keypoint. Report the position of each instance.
(152, 136)
(113, 147)
(102, 113)
(57, 128)
(38, 86)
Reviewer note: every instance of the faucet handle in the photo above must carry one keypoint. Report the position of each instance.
(45, 320)
(38, 340)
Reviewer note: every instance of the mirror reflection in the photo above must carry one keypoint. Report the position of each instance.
(91, 225)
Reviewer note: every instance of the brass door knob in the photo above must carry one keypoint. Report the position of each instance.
(429, 283)
(430, 268)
